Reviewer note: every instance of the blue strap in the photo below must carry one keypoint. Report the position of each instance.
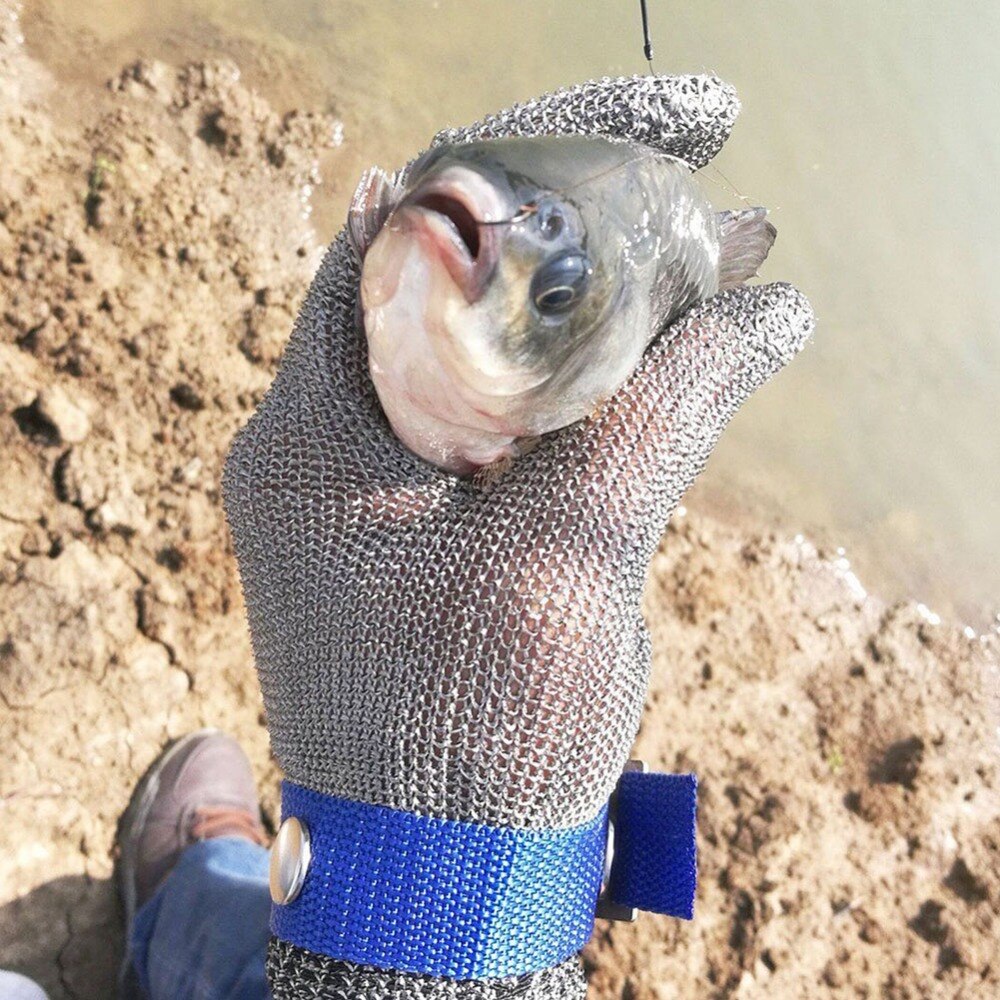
(655, 865)
(394, 890)
(463, 900)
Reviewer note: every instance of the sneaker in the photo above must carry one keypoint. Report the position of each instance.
(200, 787)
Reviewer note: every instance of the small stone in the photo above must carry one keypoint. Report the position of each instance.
(187, 397)
(69, 418)
(122, 511)
(190, 472)
(147, 660)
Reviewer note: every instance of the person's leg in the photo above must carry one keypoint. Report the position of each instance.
(193, 876)
(204, 932)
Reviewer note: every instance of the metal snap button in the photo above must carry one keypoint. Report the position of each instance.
(290, 856)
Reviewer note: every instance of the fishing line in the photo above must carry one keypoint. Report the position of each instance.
(530, 208)
(725, 183)
(647, 51)
(647, 43)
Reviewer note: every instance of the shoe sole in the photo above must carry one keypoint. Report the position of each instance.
(130, 828)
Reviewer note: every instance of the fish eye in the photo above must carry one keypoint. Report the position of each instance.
(560, 283)
(550, 221)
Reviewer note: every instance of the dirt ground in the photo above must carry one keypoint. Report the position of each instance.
(154, 245)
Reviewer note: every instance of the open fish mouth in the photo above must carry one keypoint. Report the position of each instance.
(447, 213)
(454, 211)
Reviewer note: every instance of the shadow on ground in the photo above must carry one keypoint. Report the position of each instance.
(67, 936)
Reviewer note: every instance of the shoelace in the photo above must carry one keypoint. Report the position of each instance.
(215, 821)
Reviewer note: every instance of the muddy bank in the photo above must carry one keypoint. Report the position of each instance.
(154, 246)
(849, 802)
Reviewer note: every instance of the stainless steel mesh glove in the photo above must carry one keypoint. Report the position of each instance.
(470, 651)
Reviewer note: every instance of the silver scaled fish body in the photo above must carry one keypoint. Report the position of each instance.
(510, 286)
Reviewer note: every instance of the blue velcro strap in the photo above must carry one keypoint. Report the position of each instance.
(462, 900)
(655, 865)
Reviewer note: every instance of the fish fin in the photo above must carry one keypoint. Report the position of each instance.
(487, 476)
(527, 443)
(745, 238)
(374, 198)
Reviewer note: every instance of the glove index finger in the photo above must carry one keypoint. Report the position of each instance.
(689, 117)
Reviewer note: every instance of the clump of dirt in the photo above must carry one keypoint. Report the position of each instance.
(849, 802)
(154, 246)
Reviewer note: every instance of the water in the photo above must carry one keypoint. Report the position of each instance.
(869, 129)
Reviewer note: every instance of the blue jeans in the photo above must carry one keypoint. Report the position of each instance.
(204, 933)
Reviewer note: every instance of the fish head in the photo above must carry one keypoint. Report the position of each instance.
(500, 263)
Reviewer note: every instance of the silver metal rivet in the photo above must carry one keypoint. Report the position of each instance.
(290, 856)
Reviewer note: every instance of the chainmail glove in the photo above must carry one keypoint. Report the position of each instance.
(465, 650)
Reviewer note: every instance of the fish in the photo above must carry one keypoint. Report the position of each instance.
(510, 286)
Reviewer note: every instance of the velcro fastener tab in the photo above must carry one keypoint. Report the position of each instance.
(655, 864)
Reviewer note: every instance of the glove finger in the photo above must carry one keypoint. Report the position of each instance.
(685, 116)
(653, 437)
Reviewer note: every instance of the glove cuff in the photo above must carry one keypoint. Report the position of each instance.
(437, 897)
(375, 887)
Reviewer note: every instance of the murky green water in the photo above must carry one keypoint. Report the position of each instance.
(869, 129)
